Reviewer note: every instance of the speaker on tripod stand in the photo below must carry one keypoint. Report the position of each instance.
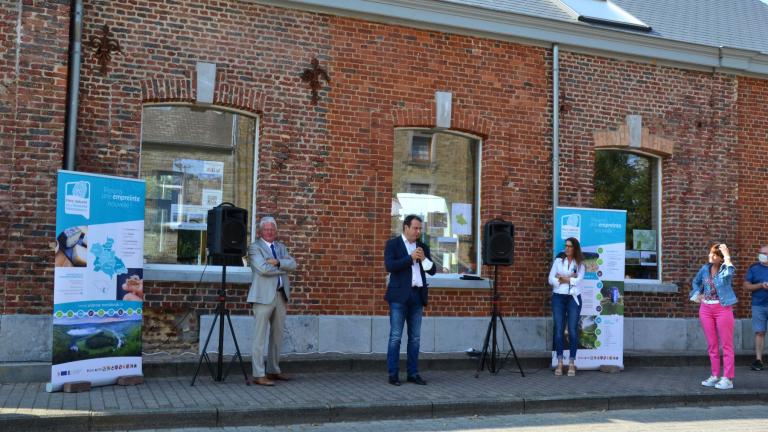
(227, 244)
(498, 250)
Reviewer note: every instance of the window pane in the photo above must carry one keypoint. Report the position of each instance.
(418, 188)
(442, 193)
(192, 160)
(627, 181)
(421, 146)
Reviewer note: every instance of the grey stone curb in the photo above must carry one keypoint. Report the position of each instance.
(23, 372)
(175, 418)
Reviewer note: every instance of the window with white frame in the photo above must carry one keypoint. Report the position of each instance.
(443, 191)
(631, 181)
(192, 160)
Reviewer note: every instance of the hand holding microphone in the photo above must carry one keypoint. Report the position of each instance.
(418, 254)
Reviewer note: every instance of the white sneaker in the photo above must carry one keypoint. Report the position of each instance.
(710, 382)
(724, 384)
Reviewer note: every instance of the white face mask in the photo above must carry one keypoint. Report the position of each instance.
(763, 258)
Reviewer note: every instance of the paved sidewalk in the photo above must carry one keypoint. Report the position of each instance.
(331, 397)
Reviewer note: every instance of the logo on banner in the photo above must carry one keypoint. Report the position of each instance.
(77, 198)
(570, 226)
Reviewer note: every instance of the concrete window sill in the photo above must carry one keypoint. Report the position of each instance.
(242, 275)
(192, 273)
(455, 282)
(650, 287)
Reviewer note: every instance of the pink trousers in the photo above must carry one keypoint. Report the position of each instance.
(717, 322)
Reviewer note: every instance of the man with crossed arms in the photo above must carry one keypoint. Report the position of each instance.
(269, 293)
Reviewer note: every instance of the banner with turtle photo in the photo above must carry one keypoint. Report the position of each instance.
(602, 234)
(98, 288)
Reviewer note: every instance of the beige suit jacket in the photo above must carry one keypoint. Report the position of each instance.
(265, 275)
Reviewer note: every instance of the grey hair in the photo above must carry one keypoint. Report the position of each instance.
(267, 220)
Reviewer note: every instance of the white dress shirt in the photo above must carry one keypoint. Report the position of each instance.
(415, 270)
(564, 267)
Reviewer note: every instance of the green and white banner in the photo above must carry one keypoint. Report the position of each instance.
(98, 288)
(602, 234)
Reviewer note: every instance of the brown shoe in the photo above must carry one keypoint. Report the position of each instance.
(263, 381)
(279, 377)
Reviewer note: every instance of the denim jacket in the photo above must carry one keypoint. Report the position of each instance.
(723, 281)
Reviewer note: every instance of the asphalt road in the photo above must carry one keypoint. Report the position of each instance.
(751, 418)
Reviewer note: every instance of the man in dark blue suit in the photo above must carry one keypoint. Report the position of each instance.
(407, 260)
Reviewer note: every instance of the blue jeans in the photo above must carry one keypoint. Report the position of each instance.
(399, 314)
(564, 308)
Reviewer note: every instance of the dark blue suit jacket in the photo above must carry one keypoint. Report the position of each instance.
(398, 263)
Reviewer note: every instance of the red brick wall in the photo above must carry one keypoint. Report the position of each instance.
(698, 112)
(385, 77)
(752, 158)
(32, 111)
(325, 170)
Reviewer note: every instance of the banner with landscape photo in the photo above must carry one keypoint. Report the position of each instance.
(98, 288)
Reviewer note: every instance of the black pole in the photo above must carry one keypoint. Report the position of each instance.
(222, 302)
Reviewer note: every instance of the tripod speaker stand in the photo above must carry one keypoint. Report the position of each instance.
(221, 313)
(226, 243)
(490, 351)
(498, 249)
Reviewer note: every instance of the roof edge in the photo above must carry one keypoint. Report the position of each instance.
(452, 17)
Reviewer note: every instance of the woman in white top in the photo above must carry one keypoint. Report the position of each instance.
(565, 277)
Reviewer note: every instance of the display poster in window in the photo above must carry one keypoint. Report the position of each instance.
(437, 219)
(98, 288)
(601, 234)
(644, 240)
(203, 185)
(211, 198)
(461, 219)
(448, 244)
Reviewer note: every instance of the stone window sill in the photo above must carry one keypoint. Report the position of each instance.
(193, 273)
(652, 287)
(455, 282)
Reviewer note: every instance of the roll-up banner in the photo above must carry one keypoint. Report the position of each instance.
(602, 234)
(98, 287)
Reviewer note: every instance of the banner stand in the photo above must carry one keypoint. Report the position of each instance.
(98, 288)
(602, 235)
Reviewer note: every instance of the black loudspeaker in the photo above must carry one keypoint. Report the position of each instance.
(498, 243)
(227, 233)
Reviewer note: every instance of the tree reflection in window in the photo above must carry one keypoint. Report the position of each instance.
(628, 181)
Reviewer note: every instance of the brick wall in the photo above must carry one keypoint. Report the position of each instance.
(33, 72)
(325, 171)
(752, 158)
(698, 112)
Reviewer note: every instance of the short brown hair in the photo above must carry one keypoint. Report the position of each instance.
(715, 249)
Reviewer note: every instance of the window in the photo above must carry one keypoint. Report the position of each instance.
(418, 188)
(444, 193)
(192, 160)
(421, 148)
(603, 12)
(631, 182)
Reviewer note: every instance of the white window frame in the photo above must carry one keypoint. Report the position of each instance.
(206, 273)
(478, 177)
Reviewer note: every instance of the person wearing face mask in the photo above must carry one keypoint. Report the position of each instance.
(713, 288)
(756, 282)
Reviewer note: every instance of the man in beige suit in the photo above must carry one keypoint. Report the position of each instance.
(269, 293)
